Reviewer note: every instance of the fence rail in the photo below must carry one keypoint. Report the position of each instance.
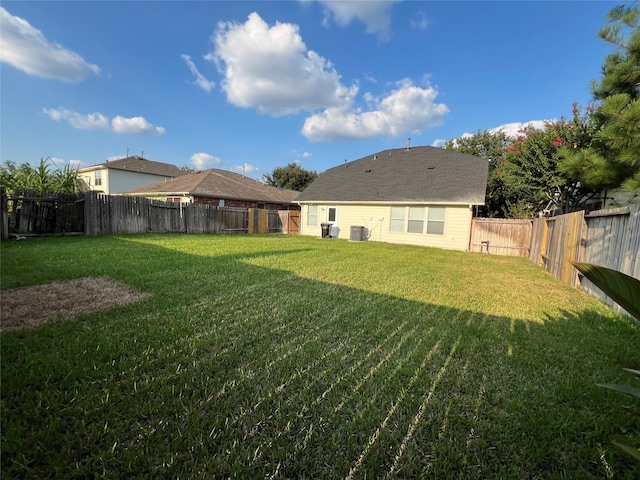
(93, 213)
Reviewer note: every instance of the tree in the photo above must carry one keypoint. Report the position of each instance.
(490, 145)
(534, 183)
(292, 177)
(613, 159)
(41, 178)
(524, 176)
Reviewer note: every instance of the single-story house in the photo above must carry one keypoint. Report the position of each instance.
(115, 176)
(419, 195)
(220, 188)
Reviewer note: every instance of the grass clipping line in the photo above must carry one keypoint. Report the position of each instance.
(29, 307)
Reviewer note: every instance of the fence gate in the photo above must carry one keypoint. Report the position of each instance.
(501, 236)
(294, 222)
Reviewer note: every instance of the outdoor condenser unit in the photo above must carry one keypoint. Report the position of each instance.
(357, 233)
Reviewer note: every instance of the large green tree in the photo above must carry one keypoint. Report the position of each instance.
(533, 180)
(492, 146)
(613, 159)
(524, 177)
(293, 177)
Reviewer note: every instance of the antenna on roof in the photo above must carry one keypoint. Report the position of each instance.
(127, 151)
(243, 170)
(408, 143)
(142, 154)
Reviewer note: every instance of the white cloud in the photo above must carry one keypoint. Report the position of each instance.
(408, 109)
(376, 15)
(271, 69)
(514, 129)
(203, 160)
(200, 80)
(91, 121)
(245, 169)
(27, 49)
(135, 126)
(419, 21)
(98, 121)
(438, 142)
(76, 164)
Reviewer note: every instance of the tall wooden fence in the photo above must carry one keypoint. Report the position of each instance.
(92, 213)
(610, 238)
(501, 236)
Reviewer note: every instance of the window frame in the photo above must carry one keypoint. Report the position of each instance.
(311, 215)
(436, 222)
(412, 223)
(397, 224)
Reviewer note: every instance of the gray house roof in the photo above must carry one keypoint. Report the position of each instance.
(218, 184)
(418, 174)
(142, 165)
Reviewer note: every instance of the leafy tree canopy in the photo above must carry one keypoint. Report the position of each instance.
(292, 177)
(524, 177)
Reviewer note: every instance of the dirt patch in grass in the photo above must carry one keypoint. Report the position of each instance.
(28, 307)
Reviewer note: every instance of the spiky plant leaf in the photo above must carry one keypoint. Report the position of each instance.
(623, 289)
(634, 452)
(628, 389)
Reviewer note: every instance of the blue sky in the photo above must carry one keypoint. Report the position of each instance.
(257, 85)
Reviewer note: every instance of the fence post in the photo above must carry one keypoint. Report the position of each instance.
(4, 227)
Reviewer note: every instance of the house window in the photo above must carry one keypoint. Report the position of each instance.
(221, 202)
(312, 215)
(435, 220)
(98, 177)
(416, 220)
(331, 214)
(174, 199)
(396, 222)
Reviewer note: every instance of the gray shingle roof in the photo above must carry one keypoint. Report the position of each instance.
(142, 165)
(418, 174)
(218, 184)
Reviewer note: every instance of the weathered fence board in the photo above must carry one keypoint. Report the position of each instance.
(610, 238)
(30, 213)
(613, 241)
(94, 213)
(501, 236)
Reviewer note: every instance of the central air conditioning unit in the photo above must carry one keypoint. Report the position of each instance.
(357, 233)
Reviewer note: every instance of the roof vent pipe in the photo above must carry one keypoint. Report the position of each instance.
(408, 143)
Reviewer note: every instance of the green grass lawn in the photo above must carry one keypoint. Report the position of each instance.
(296, 357)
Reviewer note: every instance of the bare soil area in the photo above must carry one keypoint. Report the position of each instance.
(28, 307)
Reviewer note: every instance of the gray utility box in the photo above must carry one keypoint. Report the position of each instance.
(357, 233)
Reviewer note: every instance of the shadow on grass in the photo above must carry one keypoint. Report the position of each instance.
(234, 369)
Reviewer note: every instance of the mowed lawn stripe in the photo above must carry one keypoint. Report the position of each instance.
(295, 357)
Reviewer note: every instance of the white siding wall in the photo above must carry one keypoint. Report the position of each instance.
(375, 218)
(120, 180)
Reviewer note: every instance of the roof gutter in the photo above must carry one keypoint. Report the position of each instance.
(388, 202)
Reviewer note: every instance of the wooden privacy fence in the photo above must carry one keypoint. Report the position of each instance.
(610, 238)
(28, 213)
(92, 213)
(501, 236)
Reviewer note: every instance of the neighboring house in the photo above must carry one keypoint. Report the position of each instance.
(220, 188)
(418, 195)
(115, 176)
